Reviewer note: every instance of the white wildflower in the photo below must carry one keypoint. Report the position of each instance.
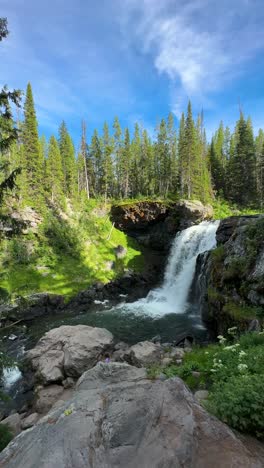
(242, 354)
(221, 339)
(242, 367)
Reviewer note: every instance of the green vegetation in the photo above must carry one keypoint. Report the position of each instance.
(224, 209)
(233, 372)
(66, 255)
(240, 312)
(5, 436)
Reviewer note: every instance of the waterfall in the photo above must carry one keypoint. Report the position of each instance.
(172, 296)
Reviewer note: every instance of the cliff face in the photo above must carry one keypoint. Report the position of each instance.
(154, 224)
(232, 280)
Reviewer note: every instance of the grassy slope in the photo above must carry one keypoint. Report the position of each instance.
(69, 260)
(66, 261)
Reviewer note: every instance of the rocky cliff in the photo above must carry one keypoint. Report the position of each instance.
(232, 283)
(154, 224)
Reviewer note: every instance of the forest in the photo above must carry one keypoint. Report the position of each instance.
(119, 164)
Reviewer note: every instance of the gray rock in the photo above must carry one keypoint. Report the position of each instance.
(118, 418)
(166, 361)
(144, 353)
(110, 265)
(120, 251)
(177, 353)
(68, 383)
(201, 395)
(254, 326)
(162, 376)
(14, 423)
(46, 397)
(68, 351)
(30, 420)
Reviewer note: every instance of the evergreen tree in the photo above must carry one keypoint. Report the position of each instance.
(172, 150)
(107, 163)
(67, 152)
(242, 165)
(259, 145)
(137, 164)
(118, 145)
(33, 163)
(189, 166)
(54, 171)
(96, 155)
(126, 165)
(260, 187)
(84, 167)
(147, 166)
(163, 166)
(182, 169)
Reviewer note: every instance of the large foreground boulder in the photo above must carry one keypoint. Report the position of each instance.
(68, 351)
(118, 418)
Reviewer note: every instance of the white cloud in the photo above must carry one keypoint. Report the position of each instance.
(199, 45)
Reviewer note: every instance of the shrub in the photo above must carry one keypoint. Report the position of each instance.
(239, 403)
(5, 436)
(62, 237)
(21, 251)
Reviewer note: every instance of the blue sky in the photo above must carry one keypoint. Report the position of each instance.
(138, 59)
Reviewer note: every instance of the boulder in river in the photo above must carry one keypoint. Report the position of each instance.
(117, 417)
(68, 351)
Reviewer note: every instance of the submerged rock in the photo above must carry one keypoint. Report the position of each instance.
(118, 418)
(68, 351)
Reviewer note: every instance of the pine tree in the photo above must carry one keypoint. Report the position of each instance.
(147, 178)
(189, 167)
(162, 159)
(172, 154)
(242, 165)
(96, 155)
(107, 163)
(137, 164)
(118, 146)
(126, 166)
(84, 169)
(67, 152)
(33, 163)
(54, 172)
(182, 170)
(260, 187)
(259, 145)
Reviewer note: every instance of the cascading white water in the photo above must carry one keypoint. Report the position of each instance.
(172, 296)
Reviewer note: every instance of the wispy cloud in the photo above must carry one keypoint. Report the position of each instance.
(199, 45)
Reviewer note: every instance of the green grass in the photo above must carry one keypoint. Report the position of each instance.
(224, 209)
(67, 256)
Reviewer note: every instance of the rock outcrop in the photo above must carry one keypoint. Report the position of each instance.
(232, 280)
(31, 307)
(118, 418)
(154, 224)
(131, 286)
(68, 351)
